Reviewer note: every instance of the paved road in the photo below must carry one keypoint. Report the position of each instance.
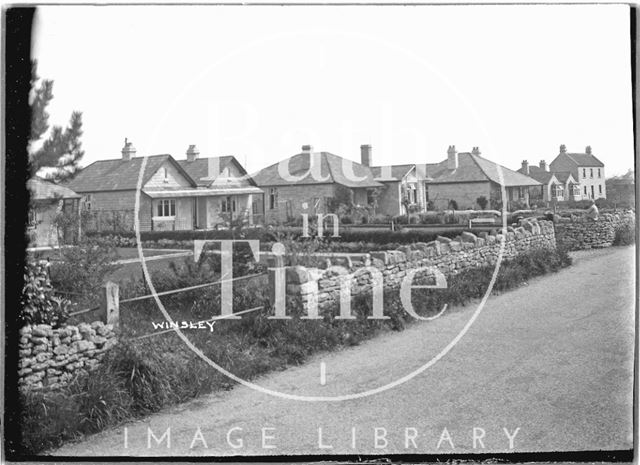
(553, 358)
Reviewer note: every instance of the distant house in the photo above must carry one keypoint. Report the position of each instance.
(170, 198)
(622, 189)
(48, 200)
(402, 187)
(586, 170)
(313, 182)
(555, 186)
(463, 177)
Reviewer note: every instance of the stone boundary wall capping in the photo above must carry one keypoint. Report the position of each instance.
(49, 358)
(321, 287)
(578, 233)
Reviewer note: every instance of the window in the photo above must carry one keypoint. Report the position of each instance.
(575, 189)
(273, 198)
(86, 201)
(591, 172)
(584, 173)
(166, 207)
(254, 208)
(600, 188)
(557, 191)
(599, 173)
(228, 205)
(592, 192)
(585, 190)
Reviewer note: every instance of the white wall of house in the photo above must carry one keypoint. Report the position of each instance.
(592, 184)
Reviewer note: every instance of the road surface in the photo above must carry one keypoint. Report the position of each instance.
(545, 367)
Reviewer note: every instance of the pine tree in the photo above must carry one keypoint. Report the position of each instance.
(61, 150)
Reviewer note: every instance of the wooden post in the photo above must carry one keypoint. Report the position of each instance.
(277, 281)
(110, 303)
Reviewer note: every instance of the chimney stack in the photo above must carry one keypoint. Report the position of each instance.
(543, 165)
(128, 151)
(192, 153)
(307, 148)
(452, 158)
(525, 167)
(365, 155)
(563, 148)
(587, 150)
(476, 151)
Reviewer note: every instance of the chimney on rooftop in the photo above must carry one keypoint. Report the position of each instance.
(475, 151)
(307, 148)
(525, 167)
(192, 153)
(563, 148)
(587, 150)
(365, 154)
(128, 151)
(452, 158)
(543, 165)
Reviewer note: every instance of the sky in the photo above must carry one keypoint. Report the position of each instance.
(258, 82)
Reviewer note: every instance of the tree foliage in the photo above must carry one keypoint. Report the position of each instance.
(58, 149)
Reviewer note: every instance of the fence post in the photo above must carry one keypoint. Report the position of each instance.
(277, 275)
(110, 303)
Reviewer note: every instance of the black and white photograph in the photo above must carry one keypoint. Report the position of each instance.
(319, 232)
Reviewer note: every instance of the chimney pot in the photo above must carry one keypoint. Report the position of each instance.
(128, 151)
(307, 148)
(365, 154)
(543, 165)
(563, 148)
(476, 151)
(588, 150)
(192, 153)
(525, 166)
(452, 158)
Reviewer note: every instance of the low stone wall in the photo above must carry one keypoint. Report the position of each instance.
(579, 233)
(50, 358)
(321, 287)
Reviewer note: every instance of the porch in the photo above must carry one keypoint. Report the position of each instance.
(181, 210)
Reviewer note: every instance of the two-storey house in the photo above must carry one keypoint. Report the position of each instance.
(586, 170)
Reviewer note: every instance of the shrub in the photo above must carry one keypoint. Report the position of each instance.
(625, 233)
(39, 304)
(482, 202)
(431, 218)
(82, 269)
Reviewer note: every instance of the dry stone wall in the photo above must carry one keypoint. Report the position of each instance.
(579, 233)
(50, 358)
(321, 287)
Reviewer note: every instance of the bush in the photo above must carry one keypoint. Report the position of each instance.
(39, 304)
(482, 202)
(625, 233)
(83, 269)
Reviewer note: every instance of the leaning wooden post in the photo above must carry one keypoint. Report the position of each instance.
(110, 303)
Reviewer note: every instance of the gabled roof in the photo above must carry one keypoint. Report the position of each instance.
(332, 171)
(474, 168)
(41, 189)
(198, 169)
(563, 176)
(541, 176)
(581, 159)
(397, 172)
(118, 174)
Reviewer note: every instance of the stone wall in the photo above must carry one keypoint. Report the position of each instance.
(50, 358)
(321, 287)
(579, 233)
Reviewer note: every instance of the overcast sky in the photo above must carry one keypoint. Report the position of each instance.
(260, 81)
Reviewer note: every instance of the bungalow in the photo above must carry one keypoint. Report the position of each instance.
(461, 179)
(555, 186)
(48, 200)
(313, 182)
(195, 193)
(401, 187)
